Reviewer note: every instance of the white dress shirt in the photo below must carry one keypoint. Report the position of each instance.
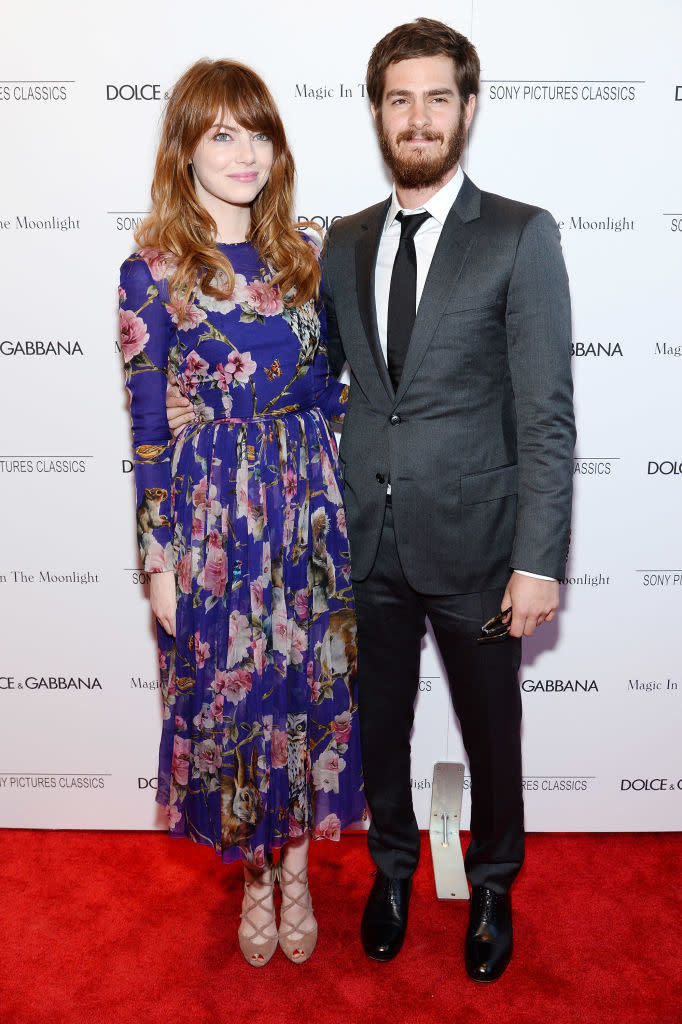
(425, 242)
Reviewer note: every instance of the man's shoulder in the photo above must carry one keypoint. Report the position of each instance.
(348, 229)
(510, 212)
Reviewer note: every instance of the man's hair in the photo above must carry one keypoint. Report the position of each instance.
(424, 37)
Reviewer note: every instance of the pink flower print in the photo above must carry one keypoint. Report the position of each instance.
(217, 708)
(240, 292)
(174, 815)
(160, 262)
(328, 828)
(121, 294)
(326, 771)
(180, 723)
(157, 559)
(259, 658)
(238, 640)
(185, 573)
(134, 335)
(202, 649)
(267, 728)
(197, 527)
(213, 576)
(301, 603)
(329, 477)
(257, 596)
(342, 726)
(264, 298)
(341, 521)
(237, 685)
(278, 748)
(279, 626)
(295, 827)
(185, 314)
(207, 757)
(298, 645)
(203, 721)
(222, 376)
(191, 377)
(259, 856)
(180, 762)
(290, 482)
(288, 525)
(240, 366)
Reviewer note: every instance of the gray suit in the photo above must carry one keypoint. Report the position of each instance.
(479, 458)
(477, 443)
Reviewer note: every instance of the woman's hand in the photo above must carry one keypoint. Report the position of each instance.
(162, 598)
(179, 410)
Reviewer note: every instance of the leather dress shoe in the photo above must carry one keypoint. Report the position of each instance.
(385, 918)
(488, 943)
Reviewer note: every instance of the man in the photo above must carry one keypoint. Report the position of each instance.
(457, 459)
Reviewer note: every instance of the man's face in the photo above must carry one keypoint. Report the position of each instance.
(421, 122)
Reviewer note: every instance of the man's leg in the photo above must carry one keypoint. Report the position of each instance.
(390, 629)
(483, 681)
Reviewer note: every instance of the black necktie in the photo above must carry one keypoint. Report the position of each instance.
(402, 297)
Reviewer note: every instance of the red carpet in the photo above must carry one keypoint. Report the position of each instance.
(136, 928)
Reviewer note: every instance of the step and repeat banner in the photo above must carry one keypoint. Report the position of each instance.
(580, 111)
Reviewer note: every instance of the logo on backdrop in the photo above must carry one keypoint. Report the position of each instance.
(147, 783)
(596, 349)
(324, 220)
(40, 347)
(51, 464)
(328, 91)
(52, 683)
(664, 348)
(551, 783)
(560, 686)
(597, 223)
(595, 467)
(134, 91)
(35, 91)
(80, 577)
(650, 785)
(568, 91)
(678, 93)
(26, 222)
(52, 780)
(127, 220)
(660, 578)
(138, 683)
(420, 783)
(653, 685)
(587, 579)
(667, 467)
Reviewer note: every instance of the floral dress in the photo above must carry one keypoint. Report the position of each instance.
(260, 740)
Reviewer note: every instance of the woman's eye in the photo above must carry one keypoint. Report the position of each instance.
(261, 137)
(222, 137)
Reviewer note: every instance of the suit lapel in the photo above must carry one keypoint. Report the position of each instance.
(454, 245)
(366, 249)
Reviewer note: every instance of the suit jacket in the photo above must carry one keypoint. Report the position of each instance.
(477, 442)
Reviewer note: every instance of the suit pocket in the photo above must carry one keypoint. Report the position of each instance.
(490, 485)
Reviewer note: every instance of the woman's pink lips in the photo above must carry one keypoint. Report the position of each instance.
(247, 176)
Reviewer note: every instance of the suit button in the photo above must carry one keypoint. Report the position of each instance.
(381, 479)
(395, 419)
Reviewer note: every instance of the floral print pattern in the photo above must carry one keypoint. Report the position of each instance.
(260, 739)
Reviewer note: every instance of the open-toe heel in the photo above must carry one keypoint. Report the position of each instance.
(255, 942)
(297, 926)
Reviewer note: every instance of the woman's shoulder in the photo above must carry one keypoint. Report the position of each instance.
(157, 264)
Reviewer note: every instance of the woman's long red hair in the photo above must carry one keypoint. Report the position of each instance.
(180, 225)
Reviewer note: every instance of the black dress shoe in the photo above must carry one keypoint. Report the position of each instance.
(385, 918)
(488, 943)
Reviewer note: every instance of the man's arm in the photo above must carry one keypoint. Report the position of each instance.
(539, 353)
(334, 346)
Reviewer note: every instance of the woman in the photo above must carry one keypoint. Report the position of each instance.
(240, 520)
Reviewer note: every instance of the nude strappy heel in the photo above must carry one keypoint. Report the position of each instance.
(254, 941)
(297, 933)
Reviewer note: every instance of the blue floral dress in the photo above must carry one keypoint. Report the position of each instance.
(260, 740)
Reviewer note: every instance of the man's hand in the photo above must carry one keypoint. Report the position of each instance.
(162, 598)
(532, 601)
(178, 408)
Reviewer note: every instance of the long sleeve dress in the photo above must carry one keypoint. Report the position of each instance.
(260, 740)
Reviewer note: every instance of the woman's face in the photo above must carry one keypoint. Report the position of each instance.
(231, 164)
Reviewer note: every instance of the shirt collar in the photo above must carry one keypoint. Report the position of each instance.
(438, 205)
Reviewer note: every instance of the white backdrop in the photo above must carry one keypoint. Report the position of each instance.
(580, 111)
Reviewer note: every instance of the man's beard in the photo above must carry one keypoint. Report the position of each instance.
(417, 170)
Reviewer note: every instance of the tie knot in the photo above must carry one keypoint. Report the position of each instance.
(410, 224)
